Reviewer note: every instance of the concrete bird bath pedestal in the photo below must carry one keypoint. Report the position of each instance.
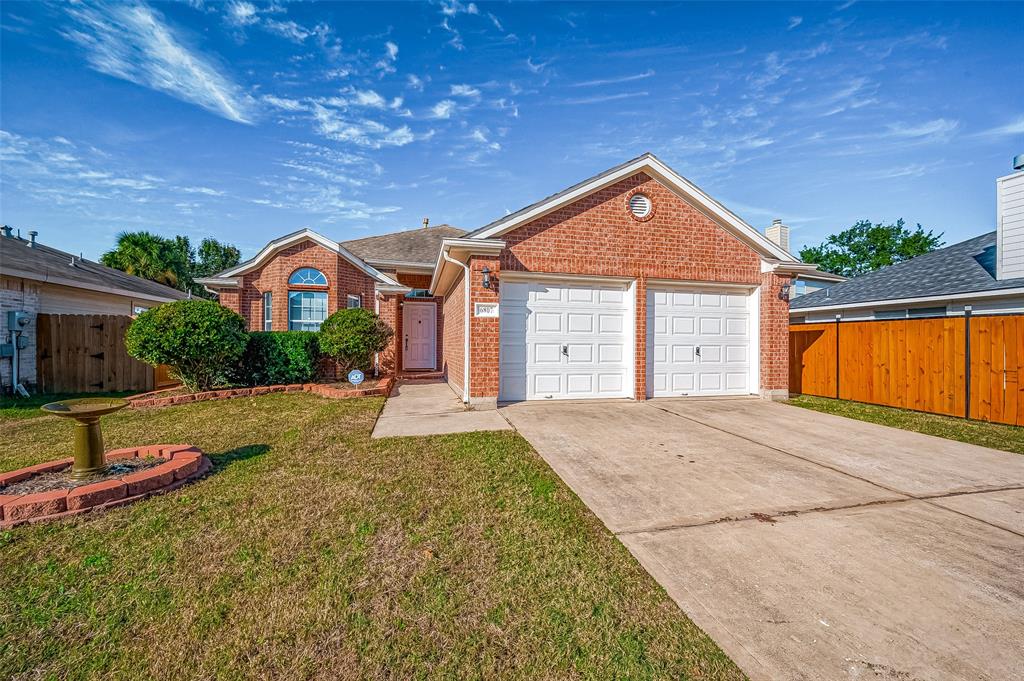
(89, 457)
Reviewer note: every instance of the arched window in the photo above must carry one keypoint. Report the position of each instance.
(308, 276)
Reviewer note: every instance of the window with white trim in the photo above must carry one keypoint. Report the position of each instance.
(354, 301)
(308, 276)
(306, 310)
(268, 311)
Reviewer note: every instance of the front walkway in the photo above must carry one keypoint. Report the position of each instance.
(429, 407)
(809, 546)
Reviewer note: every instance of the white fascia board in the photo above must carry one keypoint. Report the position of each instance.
(953, 297)
(301, 235)
(72, 283)
(218, 282)
(401, 265)
(805, 270)
(391, 288)
(688, 191)
(465, 248)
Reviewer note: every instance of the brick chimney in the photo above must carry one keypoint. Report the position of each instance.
(778, 233)
(1010, 213)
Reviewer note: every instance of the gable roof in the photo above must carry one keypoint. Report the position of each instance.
(963, 268)
(50, 265)
(227, 277)
(650, 164)
(411, 247)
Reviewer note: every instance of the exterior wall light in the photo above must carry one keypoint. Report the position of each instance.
(784, 292)
(486, 271)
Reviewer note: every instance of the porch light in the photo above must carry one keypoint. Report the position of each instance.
(784, 292)
(486, 271)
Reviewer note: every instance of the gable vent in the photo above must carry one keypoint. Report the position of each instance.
(640, 205)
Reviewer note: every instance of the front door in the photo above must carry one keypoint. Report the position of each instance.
(419, 330)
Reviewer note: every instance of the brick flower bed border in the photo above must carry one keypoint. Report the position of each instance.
(184, 463)
(153, 399)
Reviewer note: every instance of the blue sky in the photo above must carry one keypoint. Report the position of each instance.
(245, 120)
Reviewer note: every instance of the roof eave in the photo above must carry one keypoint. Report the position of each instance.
(72, 283)
(463, 248)
(946, 297)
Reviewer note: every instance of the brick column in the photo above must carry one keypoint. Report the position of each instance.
(774, 327)
(483, 335)
(391, 314)
(640, 369)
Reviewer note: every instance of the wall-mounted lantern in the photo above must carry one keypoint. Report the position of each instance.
(784, 292)
(486, 271)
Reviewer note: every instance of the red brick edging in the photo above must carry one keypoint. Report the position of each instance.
(184, 463)
(153, 399)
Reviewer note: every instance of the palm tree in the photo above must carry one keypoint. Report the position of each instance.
(150, 257)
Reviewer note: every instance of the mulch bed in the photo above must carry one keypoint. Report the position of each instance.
(62, 479)
(338, 390)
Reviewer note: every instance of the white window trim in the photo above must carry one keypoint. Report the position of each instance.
(268, 311)
(353, 296)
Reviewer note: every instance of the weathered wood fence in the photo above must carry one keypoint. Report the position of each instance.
(85, 353)
(958, 366)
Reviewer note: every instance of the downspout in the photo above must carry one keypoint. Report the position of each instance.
(465, 334)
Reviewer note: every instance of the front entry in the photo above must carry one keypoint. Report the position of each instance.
(419, 331)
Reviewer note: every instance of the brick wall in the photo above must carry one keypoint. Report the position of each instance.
(453, 347)
(388, 312)
(774, 337)
(343, 279)
(19, 294)
(598, 236)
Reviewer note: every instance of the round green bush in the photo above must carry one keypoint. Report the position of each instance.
(352, 336)
(200, 340)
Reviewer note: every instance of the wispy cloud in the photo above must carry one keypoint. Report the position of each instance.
(386, 64)
(940, 127)
(133, 43)
(611, 81)
(794, 22)
(536, 67)
(443, 109)
(364, 132)
(1015, 127)
(464, 91)
(605, 98)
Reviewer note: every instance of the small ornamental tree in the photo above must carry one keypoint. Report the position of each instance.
(352, 336)
(199, 339)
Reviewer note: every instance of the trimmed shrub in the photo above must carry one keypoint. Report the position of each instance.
(352, 336)
(200, 340)
(275, 357)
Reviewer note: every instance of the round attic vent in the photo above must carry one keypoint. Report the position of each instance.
(640, 205)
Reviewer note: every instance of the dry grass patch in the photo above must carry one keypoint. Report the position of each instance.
(314, 552)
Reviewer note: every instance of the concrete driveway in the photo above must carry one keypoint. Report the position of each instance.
(809, 546)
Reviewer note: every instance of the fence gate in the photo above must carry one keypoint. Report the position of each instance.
(957, 366)
(85, 353)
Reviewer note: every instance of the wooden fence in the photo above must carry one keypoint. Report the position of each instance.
(85, 353)
(958, 366)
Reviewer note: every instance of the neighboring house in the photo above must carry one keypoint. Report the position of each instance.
(37, 279)
(804, 282)
(985, 273)
(631, 284)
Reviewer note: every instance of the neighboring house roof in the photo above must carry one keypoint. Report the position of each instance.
(227, 278)
(46, 264)
(947, 273)
(412, 247)
(653, 166)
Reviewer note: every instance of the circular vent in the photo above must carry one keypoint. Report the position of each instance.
(640, 205)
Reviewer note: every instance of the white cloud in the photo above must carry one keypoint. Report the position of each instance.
(206, 191)
(605, 98)
(464, 91)
(369, 98)
(794, 22)
(1012, 128)
(940, 127)
(133, 43)
(456, 40)
(452, 7)
(363, 132)
(284, 103)
(415, 82)
(536, 67)
(241, 13)
(386, 64)
(443, 109)
(287, 29)
(611, 81)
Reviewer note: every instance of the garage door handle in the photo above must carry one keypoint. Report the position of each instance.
(565, 350)
(698, 351)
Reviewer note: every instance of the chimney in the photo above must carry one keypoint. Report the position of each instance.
(1010, 230)
(778, 233)
(6, 230)
(32, 238)
(426, 223)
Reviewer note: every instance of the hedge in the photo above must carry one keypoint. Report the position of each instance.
(276, 357)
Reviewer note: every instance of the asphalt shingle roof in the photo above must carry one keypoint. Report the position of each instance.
(966, 267)
(412, 246)
(44, 263)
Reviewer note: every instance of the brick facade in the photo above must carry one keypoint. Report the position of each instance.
(453, 348)
(598, 236)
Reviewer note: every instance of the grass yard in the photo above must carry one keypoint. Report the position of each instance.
(994, 435)
(28, 407)
(313, 552)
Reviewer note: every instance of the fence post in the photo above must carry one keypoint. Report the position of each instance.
(967, 361)
(838, 316)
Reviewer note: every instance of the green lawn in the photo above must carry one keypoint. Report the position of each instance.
(28, 407)
(995, 435)
(313, 552)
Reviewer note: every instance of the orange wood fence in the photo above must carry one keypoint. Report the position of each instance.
(957, 366)
(85, 353)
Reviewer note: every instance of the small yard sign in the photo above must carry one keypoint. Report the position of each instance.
(355, 377)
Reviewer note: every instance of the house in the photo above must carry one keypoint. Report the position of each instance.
(631, 284)
(804, 282)
(984, 274)
(36, 279)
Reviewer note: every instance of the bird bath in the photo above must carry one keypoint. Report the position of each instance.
(89, 457)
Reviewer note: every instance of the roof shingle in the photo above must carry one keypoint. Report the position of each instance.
(419, 246)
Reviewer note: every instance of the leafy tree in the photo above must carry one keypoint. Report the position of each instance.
(150, 257)
(199, 339)
(866, 247)
(352, 336)
(214, 257)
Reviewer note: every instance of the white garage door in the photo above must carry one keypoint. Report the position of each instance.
(698, 342)
(565, 341)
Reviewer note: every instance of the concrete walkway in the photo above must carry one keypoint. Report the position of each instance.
(429, 407)
(809, 546)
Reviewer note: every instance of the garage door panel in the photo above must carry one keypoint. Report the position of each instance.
(580, 322)
(580, 353)
(680, 321)
(547, 322)
(610, 354)
(547, 353)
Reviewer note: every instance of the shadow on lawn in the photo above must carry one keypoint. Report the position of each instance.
(223, 460)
